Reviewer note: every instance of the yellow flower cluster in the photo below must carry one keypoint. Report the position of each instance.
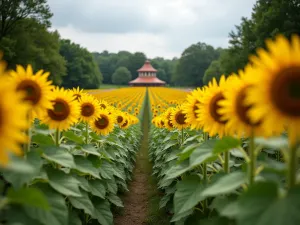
(27, 95)
(263, 99)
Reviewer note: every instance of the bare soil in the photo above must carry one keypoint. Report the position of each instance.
(136, 200)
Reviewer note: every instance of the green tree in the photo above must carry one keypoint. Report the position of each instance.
(193, 63)
(31, 43)
(214, 70)
(82, 69)
(136, 61)
(14, 11)
(161, 74)
(121, 76)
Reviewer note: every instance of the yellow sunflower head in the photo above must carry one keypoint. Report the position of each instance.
(120, 118)
(208, 113)
(89, 107)
(65, 110)
(103, 104)
(104, 124)
(13, 118)
(275, 95)
(37, 88)
(167, 118)
(77, 93)
(234, 109)
(178, 118)
(191, 106)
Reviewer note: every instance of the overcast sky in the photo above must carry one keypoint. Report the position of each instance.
(156, 27)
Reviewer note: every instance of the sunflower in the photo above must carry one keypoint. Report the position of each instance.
(65, 110)
(275, 94)
(104, 124)
(167, 118)
(178, 118)
(89, 106)
(208, 115)
(103, 104)
(233, 108)
(37, 88)
(126, 123)
(120, 118)
(191, 106)
(13, 118)
(77, 93)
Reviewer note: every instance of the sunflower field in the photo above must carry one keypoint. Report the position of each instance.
(227, 153)
(223, 154)
(65, 154)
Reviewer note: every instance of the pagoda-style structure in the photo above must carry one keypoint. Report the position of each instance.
(147, 77)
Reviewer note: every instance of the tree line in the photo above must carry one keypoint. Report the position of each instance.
(25, 38)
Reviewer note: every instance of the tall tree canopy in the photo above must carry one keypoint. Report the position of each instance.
(121, 76)
(14, 11)
(82, 69)
(193, 63)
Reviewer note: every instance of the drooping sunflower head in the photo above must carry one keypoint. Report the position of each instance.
(276, 90)
(89, 107)
(208, 113)
(104, 124)
(13, 118)
(234, 109)
(178, 118)
(37, 88)
(65, 111)
(191, 106)
(77, 93)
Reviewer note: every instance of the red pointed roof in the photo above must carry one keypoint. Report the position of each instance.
(147, 67)
(147, 80)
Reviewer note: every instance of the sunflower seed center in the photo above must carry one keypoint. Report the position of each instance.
(32, 90)
(214, 107)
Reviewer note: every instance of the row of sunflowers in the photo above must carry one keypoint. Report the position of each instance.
(230, 152)
(65, 155)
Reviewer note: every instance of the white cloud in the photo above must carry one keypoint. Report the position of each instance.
(157, 27)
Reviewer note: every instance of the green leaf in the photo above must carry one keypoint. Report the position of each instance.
(114, 199)
(83, 202)
(201, 155)
(178, 170)
(106, 171)
(83, 183)
(60, 156)
(58, 213)
(90, 149)
(42, 139)
(111, 186)
(102, 212)
(19, 165)
(188, 151)
(170, 144)
(164, 201)
(225, 184)
(188, 194)
(179, 216)
(97, 188)
(28, 196)
(86, 166)
(70, 135)
(15, 215)
(74, 218)
(63, 183)
(226, 143)
(273, 142)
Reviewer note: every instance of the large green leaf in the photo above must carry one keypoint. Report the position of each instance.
(178, 169)
(102, 212)
(187, 151)
(225, 184)
(42, 139)
(63, 183)
(226, 143)
(111, 186)
(18, 165)
(70, 135)
(16, 215)
(201, 155)
(90, 149)
(58, 213)
(97, 188)
(86, 166)
(107, 170)
(74, 218)
(83, 202)
(60, 156)
(83, 183)
(188, 194)
(28, 196)
(114, 199)
(273, 142)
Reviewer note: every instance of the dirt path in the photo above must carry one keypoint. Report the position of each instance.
(136, 200)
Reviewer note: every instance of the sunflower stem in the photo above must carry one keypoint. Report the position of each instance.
(57, 137)
(252, 161)
(292, 166)
(26, 146)
(205, 203)
(226, 162)
(86, 133)
(182, 137)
